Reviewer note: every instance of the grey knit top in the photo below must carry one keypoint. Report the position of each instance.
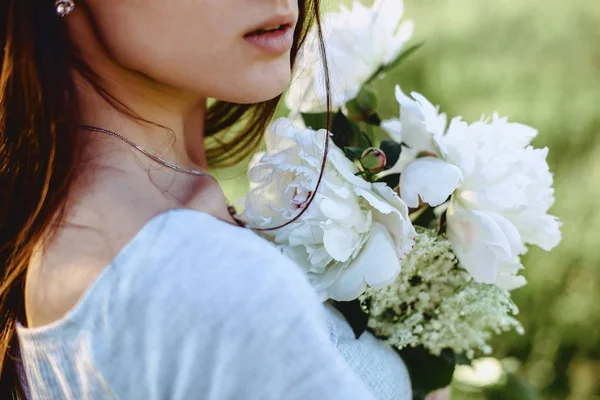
(195, 308)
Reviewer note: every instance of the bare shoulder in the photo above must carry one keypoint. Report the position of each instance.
(189, 249)
(104, 219)
(61, 270)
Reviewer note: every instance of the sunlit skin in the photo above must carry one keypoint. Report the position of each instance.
(162, 59)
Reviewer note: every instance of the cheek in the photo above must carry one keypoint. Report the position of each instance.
(198, 56)
(226, 72)
(249, 79)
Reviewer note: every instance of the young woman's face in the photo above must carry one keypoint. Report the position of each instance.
(203, 46)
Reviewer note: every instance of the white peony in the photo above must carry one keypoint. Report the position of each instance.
(500, 188)
(353, 234)
(358, 42)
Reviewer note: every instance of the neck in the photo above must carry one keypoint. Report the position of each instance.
(170, 121)
(169, 125)
(174, 132)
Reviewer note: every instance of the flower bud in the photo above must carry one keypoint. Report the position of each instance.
(373, 159)
(367, 100)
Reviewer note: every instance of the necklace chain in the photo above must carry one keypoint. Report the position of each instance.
(230, 209)
(145, 152)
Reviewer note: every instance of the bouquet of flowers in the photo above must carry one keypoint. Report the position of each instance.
(420, 234)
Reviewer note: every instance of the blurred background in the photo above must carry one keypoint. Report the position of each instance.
(538, 62)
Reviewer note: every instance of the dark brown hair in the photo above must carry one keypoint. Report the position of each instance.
(39, 145)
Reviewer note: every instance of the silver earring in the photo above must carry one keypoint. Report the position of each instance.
(64, 7)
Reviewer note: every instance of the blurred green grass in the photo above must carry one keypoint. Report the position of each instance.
(538, 62)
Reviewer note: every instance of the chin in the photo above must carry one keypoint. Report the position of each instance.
(259, 84)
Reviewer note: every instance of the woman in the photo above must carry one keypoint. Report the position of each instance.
(124, 272)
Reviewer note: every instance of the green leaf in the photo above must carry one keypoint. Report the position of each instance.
(392, 180)
(392, 150)
(367, 100)
(427, 371)
(373, 119)
(462, 359)
(353, 153)
(315, 121)
(345, 131)
(361, 138)
(353, 108)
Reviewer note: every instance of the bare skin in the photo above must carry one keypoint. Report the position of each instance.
(118, 189)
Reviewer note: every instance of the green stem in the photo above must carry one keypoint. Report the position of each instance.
(370, 133)
(415, 215)
(374, 75)
(368, 175)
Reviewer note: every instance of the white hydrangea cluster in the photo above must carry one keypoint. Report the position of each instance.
(435, 303)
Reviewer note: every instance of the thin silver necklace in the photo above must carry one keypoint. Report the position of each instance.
(230, 209)
(145, 152)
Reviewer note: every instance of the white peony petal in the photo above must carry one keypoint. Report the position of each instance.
(413, 128)
(479, 242)
(346, 168)
(377, 260)
(391, 211)
(435, 123)
(507, 276)
(393, 127)
(510, 282)
(337, 185)
(377, 265)
(306, 233)
(458, 148)
(540, 229)
(403, 35)
(510, 232)
(340, 242)
(392, 198)
(318, 257)
(297, 254)
(335, 210)
(322, 281)
(429, 178)
(513, 134)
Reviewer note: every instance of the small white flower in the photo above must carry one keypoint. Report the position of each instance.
(500, 188)
(353, 234)
(434, 304)
(358, 42)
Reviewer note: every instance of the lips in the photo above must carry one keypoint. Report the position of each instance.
(273, 40)
(273, 24)
(269, 29)
(274, 36)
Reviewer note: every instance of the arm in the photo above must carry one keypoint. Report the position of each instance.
(374, 361)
